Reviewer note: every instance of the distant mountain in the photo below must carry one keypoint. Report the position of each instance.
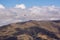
(31, 30)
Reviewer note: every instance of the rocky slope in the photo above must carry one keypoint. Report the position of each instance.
(31, 30)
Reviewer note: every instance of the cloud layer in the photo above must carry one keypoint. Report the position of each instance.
(20, 14)
(1, 6)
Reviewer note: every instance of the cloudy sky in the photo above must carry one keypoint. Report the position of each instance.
(23, 10)
(29, 3)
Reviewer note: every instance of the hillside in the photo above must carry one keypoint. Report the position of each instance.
(31, 30)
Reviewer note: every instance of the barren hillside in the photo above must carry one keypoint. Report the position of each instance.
(31, 30)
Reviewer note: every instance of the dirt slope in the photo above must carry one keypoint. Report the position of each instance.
(31, 30)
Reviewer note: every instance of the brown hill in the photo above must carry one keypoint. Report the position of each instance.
(31, 30)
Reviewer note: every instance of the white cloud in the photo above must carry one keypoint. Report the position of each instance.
(33, 13)
(22, 6)
(1, 6)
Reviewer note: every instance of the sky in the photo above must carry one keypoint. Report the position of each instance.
(29, 3)
(22, 10)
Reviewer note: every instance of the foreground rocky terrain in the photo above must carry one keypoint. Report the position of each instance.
(31, 30)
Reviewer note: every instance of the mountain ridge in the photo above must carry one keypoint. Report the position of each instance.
(34, 30)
